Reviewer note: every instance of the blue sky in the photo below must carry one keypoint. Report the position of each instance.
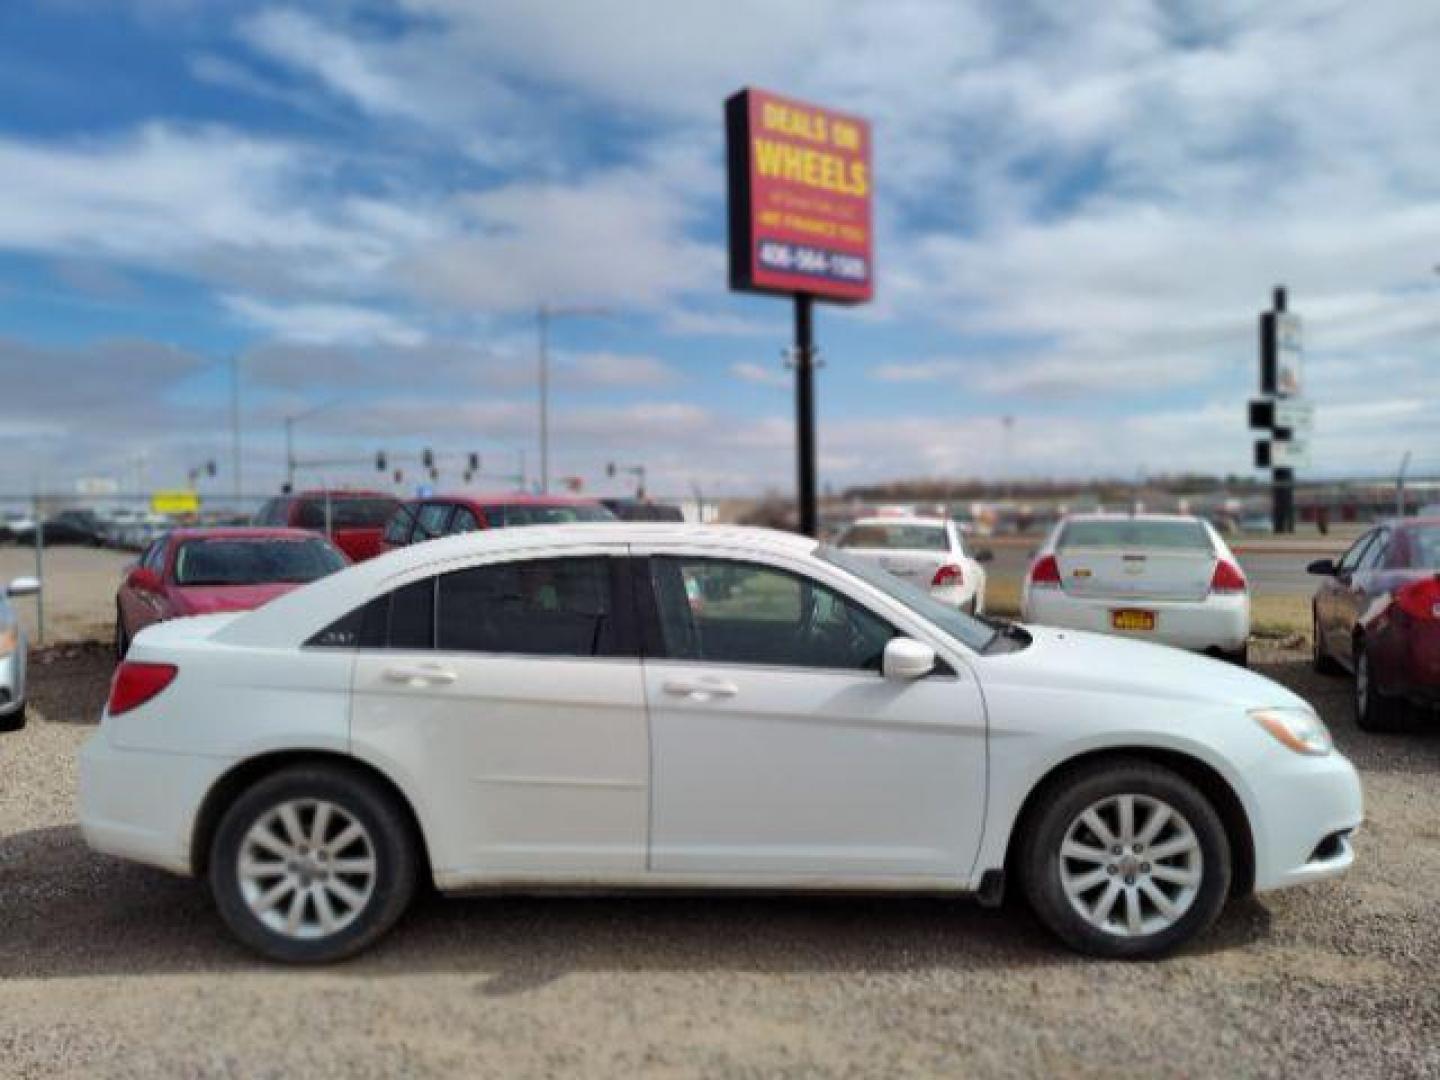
(1080, 207)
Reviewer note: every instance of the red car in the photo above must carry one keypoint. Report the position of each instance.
(355, 520)
(1378, 616)
(201, 571)
(441, 515)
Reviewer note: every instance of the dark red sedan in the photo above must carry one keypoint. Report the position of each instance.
(1378, 615)
(353, 519)
(442, 515)
(201, 571)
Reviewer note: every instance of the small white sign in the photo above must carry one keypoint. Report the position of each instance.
(1288, 350)
(1296, 416)
(1290, 453)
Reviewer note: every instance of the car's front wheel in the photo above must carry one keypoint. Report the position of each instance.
(312, 864)
(1125, 859)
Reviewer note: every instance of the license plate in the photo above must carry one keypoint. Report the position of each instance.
(1132, 619)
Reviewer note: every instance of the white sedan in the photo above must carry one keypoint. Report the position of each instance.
(928, 552)
(630, 706)
(1167, 578)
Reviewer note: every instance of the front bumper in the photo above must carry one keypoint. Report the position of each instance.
(1217, 623)
(142, 805)
(1303, 821)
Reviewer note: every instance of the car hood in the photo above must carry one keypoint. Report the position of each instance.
(208, 599)
(1073, 660)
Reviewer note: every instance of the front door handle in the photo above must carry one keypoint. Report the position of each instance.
(421, 675)
(701, 689)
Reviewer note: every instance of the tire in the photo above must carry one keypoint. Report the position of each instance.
(362, 905)
(1198, 866)
(14, 721)
(1240, 656)
(1320, 660)
(1374, 711)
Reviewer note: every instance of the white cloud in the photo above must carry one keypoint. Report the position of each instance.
(760, 375)
(324, 324)
(602, 370)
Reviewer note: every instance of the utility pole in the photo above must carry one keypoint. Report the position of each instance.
(235, 430)
(543, 314)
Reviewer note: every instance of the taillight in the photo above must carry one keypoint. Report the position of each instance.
(949, 574)
(1420, 599)
(136, 683)
(1045, 574)
(1227, 578)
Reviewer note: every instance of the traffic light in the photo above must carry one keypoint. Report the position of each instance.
(380, 462)
(210, 467)
(434, 474)
(427, 458)
(474, 462)
(399, 476)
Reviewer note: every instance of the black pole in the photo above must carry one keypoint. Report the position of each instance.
(1282, 480)
(805, 411)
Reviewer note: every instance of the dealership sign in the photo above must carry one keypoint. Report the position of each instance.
(799, 185)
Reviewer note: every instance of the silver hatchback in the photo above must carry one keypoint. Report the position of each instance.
(12, 656)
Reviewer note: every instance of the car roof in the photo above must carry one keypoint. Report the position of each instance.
(343, 493)
(331, 597)
(1102, 516)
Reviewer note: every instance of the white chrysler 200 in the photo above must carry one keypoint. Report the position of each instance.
(632, 706)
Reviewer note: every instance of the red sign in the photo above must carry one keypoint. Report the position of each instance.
(800, 188)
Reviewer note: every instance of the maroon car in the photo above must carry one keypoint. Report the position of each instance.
(1378, 615)
(442, 515)
(353, 519)
(201, 571)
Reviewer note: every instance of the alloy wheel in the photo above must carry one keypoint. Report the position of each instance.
(307, 868)
(1131, 865)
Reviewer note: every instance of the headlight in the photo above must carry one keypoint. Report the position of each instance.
(1299, 729)
(9, 639)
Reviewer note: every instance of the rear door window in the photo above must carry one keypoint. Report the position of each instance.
(464, 520)
(397, 531)
(431, 520)
(538, 607)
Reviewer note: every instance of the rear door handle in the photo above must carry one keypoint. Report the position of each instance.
(701, 689)
(421, 675)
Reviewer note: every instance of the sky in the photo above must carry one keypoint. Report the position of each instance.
(357, 207)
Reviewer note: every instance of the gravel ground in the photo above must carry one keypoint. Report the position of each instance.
(111, 969)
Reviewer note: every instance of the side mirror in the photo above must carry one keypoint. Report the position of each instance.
(143, 579)
(23, 586)
(1323, 567)
(906, 658)
(984, 555)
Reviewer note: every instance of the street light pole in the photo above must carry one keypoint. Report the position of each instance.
(543, 314)
(235, 429)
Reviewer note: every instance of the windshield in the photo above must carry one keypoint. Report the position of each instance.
(254, 562)
(964, 628)
(546, 515)
(895, 537)
(1135, 533)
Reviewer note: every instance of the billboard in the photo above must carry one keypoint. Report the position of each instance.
(799, 186)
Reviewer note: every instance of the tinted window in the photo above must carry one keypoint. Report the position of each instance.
(1376, 551)
(510, 516)
(1135, 533)
(464, 520)
(412, 616)
(430, 521)
(346, 513)
(542, 607)
(397, 532)
(364, 627)
(744, 613)
(252, 562)
(154, 558)
(896, 537)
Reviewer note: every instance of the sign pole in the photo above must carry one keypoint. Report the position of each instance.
(805, 411)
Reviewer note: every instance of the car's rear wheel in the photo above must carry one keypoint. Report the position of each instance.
(1126, 859)
(1374, 711)
(312, 864)
(1320, 660)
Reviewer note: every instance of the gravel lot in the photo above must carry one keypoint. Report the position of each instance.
(111, 969)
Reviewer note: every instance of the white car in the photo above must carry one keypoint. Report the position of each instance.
(928, 552)
(630, 706)
(1167, 578)
(12, 655)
